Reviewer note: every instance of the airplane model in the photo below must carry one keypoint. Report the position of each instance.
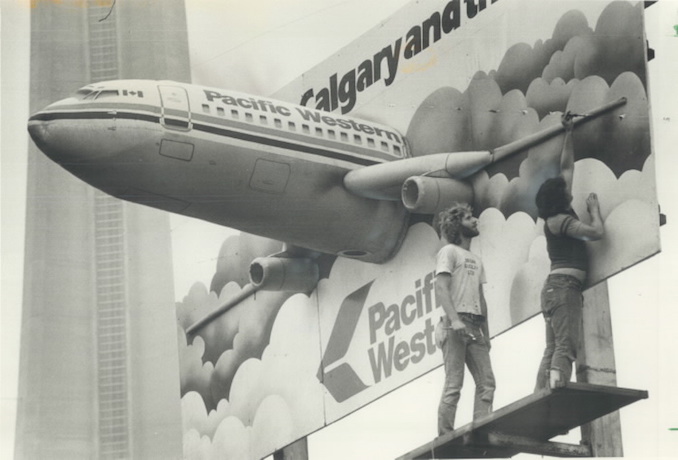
(320, 182)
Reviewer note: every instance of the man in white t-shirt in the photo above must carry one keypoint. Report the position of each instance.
(462, 334)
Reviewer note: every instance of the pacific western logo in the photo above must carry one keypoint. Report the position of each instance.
(385, 352)
(341, 381)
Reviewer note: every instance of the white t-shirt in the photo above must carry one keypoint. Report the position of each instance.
(468, 275)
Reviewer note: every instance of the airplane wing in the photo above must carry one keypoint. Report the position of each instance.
(295, 269)
(246, 292)
(426, 181)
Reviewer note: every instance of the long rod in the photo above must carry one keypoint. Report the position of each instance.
(541, 136)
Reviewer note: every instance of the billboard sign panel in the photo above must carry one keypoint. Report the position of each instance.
(464, 76)
(451, 76)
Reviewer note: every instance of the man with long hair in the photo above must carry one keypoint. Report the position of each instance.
(462, 334)
(561, 297)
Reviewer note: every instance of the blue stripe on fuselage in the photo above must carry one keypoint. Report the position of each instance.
(216, 130)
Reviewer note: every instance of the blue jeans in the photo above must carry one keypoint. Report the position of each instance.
(459, 350)
(561, 304)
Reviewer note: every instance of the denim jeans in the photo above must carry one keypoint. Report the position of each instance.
(459, 350)
(561, 303)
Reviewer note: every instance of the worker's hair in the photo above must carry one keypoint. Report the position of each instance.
(449, 221)
(552, 198)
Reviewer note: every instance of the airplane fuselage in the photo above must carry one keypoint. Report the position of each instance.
(250, 163)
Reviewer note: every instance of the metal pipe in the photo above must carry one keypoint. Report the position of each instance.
(546, 134)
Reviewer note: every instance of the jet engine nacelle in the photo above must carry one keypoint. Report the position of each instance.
(284, 274)
(430, 195)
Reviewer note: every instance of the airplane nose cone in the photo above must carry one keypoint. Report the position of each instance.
(60, 139)
(38, 132)
(87, 148)
(44, 138)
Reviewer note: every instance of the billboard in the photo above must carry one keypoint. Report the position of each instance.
(451, 76)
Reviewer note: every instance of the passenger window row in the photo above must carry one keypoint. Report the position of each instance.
(328, 133)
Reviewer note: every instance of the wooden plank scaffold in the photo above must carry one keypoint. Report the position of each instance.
(527, 425)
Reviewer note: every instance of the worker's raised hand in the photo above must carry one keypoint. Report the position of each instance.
(592, 204)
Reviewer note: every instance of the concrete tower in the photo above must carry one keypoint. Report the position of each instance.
(99, 367)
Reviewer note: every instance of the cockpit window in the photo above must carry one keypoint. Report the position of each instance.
(85, 93)
(107, 93)
(89, 93)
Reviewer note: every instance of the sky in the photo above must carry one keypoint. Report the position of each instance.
(258, 47)
(266, 45)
